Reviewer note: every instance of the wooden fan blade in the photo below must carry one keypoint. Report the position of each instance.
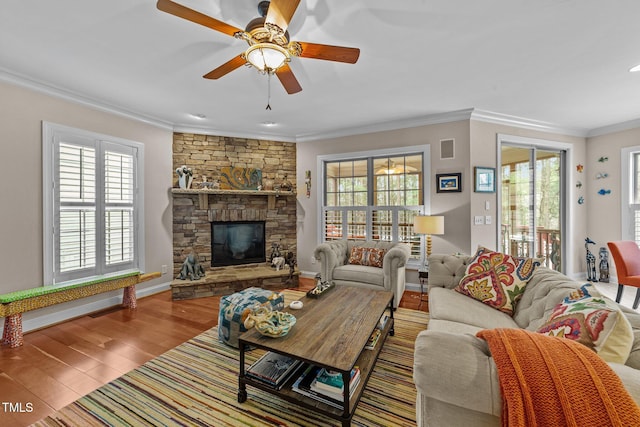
(329, 53)
(226, 68)
(288, 80)
(199, 18)
(280, 12)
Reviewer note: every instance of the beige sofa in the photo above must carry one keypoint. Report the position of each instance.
(454, 373)
(335, 267)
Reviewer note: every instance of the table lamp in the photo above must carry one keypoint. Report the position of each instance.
(428, 225)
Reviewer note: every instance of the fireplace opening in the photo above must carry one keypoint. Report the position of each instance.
(237, 242)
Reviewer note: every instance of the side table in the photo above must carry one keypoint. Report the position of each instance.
(423, 275)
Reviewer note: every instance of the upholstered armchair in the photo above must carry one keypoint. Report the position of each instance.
(372, 264)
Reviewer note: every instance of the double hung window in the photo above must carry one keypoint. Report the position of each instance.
(92, 201)
(374, 197)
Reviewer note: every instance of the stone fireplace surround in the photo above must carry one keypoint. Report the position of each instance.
(206, 155)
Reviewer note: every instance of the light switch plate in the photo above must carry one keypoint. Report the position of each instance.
(487, 219)
(478, 220)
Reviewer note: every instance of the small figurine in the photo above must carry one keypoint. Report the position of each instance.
(604, 265)
(286, 185)
(591, 261)
(191, 268)
(579, 168)
(278, 262)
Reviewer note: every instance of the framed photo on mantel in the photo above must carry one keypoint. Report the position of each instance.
(485, 180)
(449, 182)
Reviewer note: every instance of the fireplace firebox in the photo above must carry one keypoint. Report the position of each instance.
(237, 242)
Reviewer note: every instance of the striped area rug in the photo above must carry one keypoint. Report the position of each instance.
(196, 384)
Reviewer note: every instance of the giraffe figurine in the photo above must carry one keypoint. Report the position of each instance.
(591, 261)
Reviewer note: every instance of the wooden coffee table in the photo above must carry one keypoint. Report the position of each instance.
(331, 331)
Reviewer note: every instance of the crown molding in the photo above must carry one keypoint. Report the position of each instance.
(17, 79)
(618, 127)
(521, 122)
(431, 119)
(67, 95)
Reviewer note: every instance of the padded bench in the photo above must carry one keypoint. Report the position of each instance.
(13, 304)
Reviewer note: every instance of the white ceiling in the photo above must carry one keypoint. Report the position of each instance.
(559, 62)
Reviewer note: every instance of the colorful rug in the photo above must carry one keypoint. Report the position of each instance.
(196, 384)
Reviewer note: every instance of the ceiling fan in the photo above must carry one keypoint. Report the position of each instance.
(270, 49)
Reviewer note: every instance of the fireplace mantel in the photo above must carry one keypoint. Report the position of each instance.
(203, 194)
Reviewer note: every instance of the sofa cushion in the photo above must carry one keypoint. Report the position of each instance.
(590, 319)
(371, 257)
(359, 273)
(496, 279)
(444, 304)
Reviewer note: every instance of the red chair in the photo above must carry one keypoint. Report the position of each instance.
(626, 255)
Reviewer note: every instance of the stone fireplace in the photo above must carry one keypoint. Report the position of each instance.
(195, 211)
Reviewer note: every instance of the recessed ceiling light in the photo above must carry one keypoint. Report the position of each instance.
(268, 124)
(635, 69)
(198, 116)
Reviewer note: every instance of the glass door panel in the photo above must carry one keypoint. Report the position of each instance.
(532, 204)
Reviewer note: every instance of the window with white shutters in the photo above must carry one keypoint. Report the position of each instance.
(92, 201)
(374, 196)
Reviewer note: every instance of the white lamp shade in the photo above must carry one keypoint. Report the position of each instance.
(426, 224)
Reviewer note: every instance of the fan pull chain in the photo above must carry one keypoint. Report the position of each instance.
(268, 92)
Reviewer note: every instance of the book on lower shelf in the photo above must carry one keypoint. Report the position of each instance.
(377, 332)
(273, 369)
(306, 384)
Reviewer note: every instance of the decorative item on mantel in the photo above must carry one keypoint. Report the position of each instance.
(235, 178)
(191, 268)
(185, 176)
(286, 184)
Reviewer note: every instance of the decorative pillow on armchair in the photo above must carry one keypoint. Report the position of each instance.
(594, 321)
(371, 257)
(497, 279)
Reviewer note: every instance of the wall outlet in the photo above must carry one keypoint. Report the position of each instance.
(165, 269)
(487, 219)
(478, 220)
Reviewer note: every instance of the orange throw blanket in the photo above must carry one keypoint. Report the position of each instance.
(552, 381)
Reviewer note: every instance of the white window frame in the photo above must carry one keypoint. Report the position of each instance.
(425, 209)
(53, 134)
(627, 181)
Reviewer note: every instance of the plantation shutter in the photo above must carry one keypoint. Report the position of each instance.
(76, 222)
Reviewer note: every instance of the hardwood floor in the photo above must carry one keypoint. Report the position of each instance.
(61, 363)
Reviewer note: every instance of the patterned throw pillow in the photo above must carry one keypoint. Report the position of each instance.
(594, 321)
(371, 257)
(497, 279)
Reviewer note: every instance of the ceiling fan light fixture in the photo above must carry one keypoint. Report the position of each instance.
(267, 57)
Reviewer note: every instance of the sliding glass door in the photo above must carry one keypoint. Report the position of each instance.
(532, 203)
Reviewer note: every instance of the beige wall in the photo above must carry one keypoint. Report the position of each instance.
(484, 153)
(455, 206)
(21, 114)
(604, 212)
(475, 145)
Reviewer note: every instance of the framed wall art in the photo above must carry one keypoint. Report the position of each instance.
(484, 180)
(449, 182)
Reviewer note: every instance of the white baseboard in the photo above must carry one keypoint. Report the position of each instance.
(31, 320)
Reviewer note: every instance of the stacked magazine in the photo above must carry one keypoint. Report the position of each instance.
(273, 369)
(325, 386)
